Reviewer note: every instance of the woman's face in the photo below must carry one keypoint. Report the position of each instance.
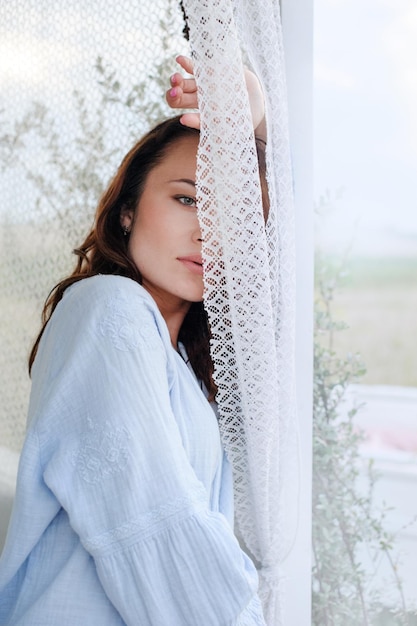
(165, 237)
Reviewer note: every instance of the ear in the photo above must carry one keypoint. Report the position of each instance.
(126, 218)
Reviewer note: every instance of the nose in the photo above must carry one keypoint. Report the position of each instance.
(197, 234)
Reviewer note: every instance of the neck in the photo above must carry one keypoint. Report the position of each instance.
(172, 309)
(174, 320)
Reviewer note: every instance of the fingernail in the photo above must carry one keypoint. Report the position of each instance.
(173, 93)
(173, 79)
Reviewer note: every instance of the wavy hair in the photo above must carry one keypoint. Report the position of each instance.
(105, 249)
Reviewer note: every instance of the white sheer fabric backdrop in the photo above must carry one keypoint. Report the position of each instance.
(80, 82)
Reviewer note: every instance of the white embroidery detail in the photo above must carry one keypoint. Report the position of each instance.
(102, 453)
(125, 330)
(151, 522)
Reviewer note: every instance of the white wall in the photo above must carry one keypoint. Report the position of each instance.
(8, 470)
(297, 18)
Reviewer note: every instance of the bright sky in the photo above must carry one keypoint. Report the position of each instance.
(366, 113)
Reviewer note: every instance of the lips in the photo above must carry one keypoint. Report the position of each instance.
(193, 262)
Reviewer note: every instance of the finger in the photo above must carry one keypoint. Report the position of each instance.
(188, 85)
(174, 97)
(177, 99)
(192, 120)
(186, 63)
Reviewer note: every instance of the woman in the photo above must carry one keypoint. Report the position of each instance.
(123, 511)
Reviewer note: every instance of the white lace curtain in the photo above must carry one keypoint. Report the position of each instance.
(81, 82)
(249, 283)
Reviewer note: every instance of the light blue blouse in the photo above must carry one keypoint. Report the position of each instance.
(123, 510)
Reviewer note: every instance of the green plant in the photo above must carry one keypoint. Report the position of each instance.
(344, 520)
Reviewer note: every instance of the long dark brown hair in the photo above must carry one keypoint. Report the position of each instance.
(105, 249)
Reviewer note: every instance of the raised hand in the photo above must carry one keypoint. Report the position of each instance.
(183, 95)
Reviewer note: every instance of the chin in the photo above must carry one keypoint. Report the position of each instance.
(194, 295)
(196, 298)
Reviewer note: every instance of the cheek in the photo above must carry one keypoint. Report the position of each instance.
(162, 230)
(149, 242)
(137, 247)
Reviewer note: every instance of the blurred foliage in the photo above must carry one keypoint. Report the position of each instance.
(344, 519)
(377, 299)
(375, 271)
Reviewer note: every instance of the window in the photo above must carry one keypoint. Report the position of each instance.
(365, 165)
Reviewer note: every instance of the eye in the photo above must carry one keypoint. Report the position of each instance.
(186, 200)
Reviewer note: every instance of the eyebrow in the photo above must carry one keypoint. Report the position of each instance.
(183, 180)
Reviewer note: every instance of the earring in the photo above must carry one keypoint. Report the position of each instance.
(126, 230)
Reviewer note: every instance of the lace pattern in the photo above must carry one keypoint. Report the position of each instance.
(249, 271)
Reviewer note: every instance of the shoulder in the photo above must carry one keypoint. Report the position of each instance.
(110, 308)
(97, 295)
(93, 291)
